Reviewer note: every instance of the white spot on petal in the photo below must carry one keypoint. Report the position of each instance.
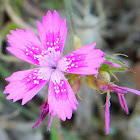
(72, 65)
(57, 91)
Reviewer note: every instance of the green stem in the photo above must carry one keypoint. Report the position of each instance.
(70, 13)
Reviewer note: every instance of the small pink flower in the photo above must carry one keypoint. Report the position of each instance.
(45, 53)
(120, 91)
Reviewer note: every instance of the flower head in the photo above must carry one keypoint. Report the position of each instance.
(46, 54)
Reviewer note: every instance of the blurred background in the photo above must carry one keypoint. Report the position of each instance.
(114, 26)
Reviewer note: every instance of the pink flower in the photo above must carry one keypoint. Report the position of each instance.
(120, 91)
(45, 53)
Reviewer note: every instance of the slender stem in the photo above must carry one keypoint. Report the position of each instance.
(70, 13)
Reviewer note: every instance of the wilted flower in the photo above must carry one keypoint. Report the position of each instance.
(46, 54)
(44, 112)
(103, 85)
(109, 87)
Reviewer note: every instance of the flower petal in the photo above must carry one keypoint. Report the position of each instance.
(117, 89)
(25, 45)
(123, 103)
(61, 98)
(112, 64)
(130, 90)
(107, 113)
(50, 121)
(85, 60)
(52, 32)
(26, 84)
(44, 112)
